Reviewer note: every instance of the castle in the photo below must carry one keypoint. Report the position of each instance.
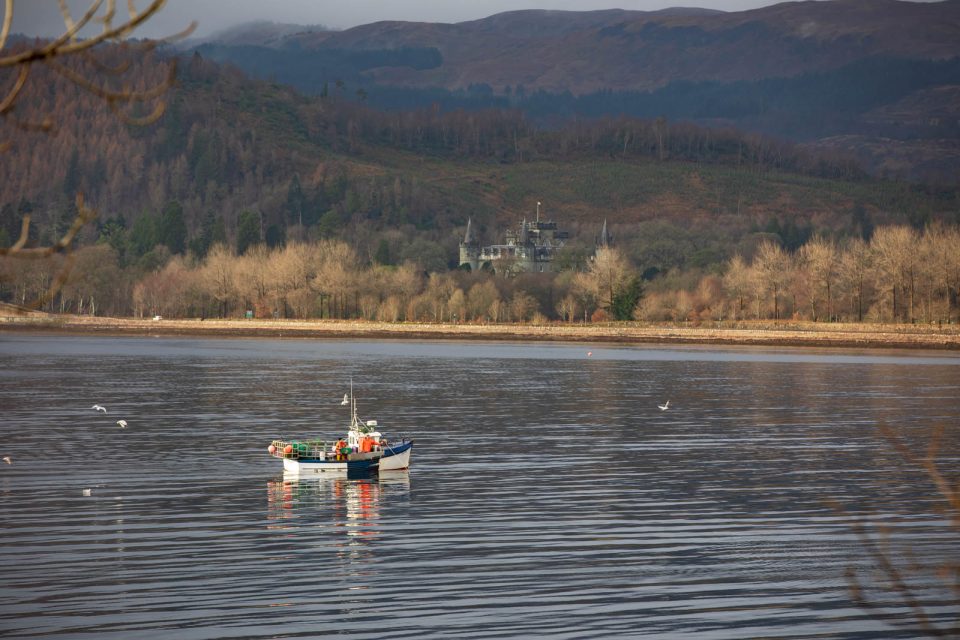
(530, 248)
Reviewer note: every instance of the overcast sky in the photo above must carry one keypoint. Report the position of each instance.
(42, 17)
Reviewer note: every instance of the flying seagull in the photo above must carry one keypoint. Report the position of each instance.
(345, 401)
(122, 423)
(99, 408)
(664, 407)
(7, 460)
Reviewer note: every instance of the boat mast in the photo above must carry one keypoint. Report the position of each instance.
(353, 404)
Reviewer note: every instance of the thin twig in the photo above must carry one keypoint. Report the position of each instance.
(11, 97)
(126, 95)
(63, 246)
(84, 215)
(66, 43)
(24, 234)
(7, 21)
(882, 555)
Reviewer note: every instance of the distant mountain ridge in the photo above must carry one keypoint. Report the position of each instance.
(868, 76)
(619, 49)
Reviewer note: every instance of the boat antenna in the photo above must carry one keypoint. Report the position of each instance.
(353, 405)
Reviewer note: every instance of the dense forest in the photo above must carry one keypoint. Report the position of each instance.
(805, 106)
(239, 169)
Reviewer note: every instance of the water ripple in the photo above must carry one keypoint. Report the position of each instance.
(549, 496)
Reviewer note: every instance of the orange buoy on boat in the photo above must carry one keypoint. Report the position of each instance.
(272, 449)
(288, 448)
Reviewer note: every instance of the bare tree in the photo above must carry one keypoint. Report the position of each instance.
(481, 300)
(708, 298)
(255, 277)
(98, 282)
(440, 287)
(567, 308)
(773, 269)
(219, 277)
(458, 305)
(942, 253)
(854, 272)
(895, 253)
(170, 291)
(294, 271)
(522, 306)
(736, 282)
(820, 259)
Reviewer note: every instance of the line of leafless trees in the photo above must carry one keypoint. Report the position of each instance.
(325, 279)
(900, 275)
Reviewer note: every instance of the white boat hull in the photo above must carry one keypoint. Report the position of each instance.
(306, 468)
(396, 461)
(364, 463)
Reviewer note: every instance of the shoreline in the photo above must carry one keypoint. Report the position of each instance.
(750, 333)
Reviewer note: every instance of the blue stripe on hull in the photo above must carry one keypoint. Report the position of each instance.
(400, 448)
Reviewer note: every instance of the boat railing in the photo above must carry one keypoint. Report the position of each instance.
(296, 449)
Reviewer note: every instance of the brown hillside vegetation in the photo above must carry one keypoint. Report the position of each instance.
(228, 144)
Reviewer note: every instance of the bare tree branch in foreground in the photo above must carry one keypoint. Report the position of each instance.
(70, 45)
(94, 78)
(903, 580)
(63, 246)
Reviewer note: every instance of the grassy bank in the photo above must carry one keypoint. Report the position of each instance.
(742, 333)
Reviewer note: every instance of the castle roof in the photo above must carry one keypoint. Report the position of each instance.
(605, 237)
(468, 236)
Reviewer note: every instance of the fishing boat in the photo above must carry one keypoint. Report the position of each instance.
(313, 457)
(364, 450)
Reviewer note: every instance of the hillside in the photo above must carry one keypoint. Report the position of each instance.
(583, 52)
(838, 63)
(231, 152)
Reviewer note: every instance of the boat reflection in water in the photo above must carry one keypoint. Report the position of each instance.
(345, 504)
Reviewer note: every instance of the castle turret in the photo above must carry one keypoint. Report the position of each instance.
(470, 248)
(605, 239)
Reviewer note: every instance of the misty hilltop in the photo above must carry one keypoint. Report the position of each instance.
(871, 77)
(582, 52)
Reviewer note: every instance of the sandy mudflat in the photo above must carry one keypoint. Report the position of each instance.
(743, 333)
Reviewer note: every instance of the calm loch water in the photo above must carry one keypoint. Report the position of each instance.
(548, 496)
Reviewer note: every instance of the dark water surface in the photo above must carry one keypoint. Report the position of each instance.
(548, 496)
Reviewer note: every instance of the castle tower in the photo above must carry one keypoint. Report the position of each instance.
(470, 248)
(605, 239)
